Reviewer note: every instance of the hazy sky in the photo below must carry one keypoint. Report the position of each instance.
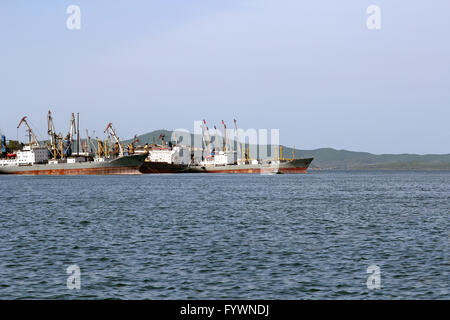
(312, 69)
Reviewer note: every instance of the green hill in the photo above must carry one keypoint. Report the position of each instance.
(328, 158)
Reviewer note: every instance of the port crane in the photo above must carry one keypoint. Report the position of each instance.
(32, 137)
(174, 136)
(102, 150)
(161, 137)
(56, 145)
(238, 141)
(90, 144)
(131, 145)
(70, 134)
(113, 133)
(225, 141)
(208, 137)
(216, 139)
(2, 145)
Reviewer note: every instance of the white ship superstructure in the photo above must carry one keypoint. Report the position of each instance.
(27, 156)
(176, 155)
(220, 158)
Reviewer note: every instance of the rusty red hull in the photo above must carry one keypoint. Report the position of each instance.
(292, 170)
(285, 166)
(279, 170)
(84, 171)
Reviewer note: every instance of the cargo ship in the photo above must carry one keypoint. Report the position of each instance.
(263, 167)
(221, 158)
(34, 161)
(56, 158)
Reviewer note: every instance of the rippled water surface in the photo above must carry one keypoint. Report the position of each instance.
(226, 236)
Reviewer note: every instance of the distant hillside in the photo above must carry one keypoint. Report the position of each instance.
(328, 158)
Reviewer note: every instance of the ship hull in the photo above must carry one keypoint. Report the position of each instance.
(295, 166)
(162, 167)
(290, 166)
(123, 165)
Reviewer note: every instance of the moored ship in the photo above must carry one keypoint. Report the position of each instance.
(265, 167)
(56, 158)
(221, 158)
(33, 162)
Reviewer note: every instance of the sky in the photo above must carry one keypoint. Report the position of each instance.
(311, 69)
